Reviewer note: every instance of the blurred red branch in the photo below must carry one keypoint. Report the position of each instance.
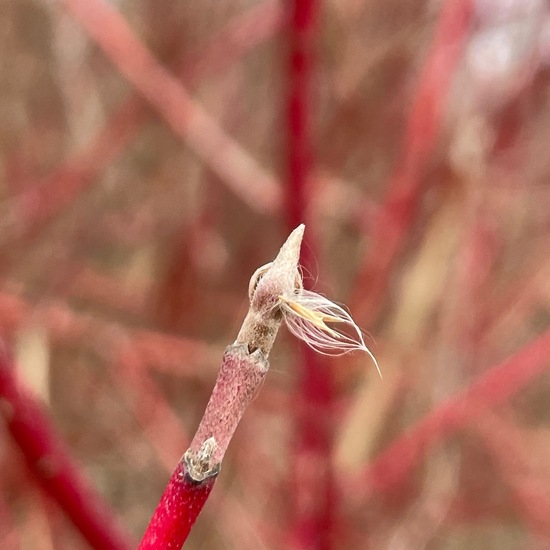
(494, 387)
(50, 462)
(313, 483)
(240, 377)
(257, 188)
(396, 213)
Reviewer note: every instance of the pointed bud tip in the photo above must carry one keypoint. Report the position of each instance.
(297, 235)
(290, 251)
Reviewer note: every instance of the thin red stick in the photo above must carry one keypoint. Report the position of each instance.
(496, 386)
(313, 483)
(50, 462)
(396, 214)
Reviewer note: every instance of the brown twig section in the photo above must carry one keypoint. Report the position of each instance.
(52, 466)
(184, 115)
(242, 372)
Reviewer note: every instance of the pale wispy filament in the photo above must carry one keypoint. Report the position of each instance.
(307, 313)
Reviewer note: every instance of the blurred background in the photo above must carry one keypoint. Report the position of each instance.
(153, 154)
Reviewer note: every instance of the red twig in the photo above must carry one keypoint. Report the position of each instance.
(168, 435)
(493, 388)
(396, 214)
(162, 426)
(177, 511)
(51, 464)
(313, 483)
(172, 101)
(299, 146)
(520, 296)
(243, 370)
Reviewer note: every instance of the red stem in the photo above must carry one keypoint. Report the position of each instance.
(51, 464)
(177, 511)
(313, 484)
(163, 352)
(493, 388)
